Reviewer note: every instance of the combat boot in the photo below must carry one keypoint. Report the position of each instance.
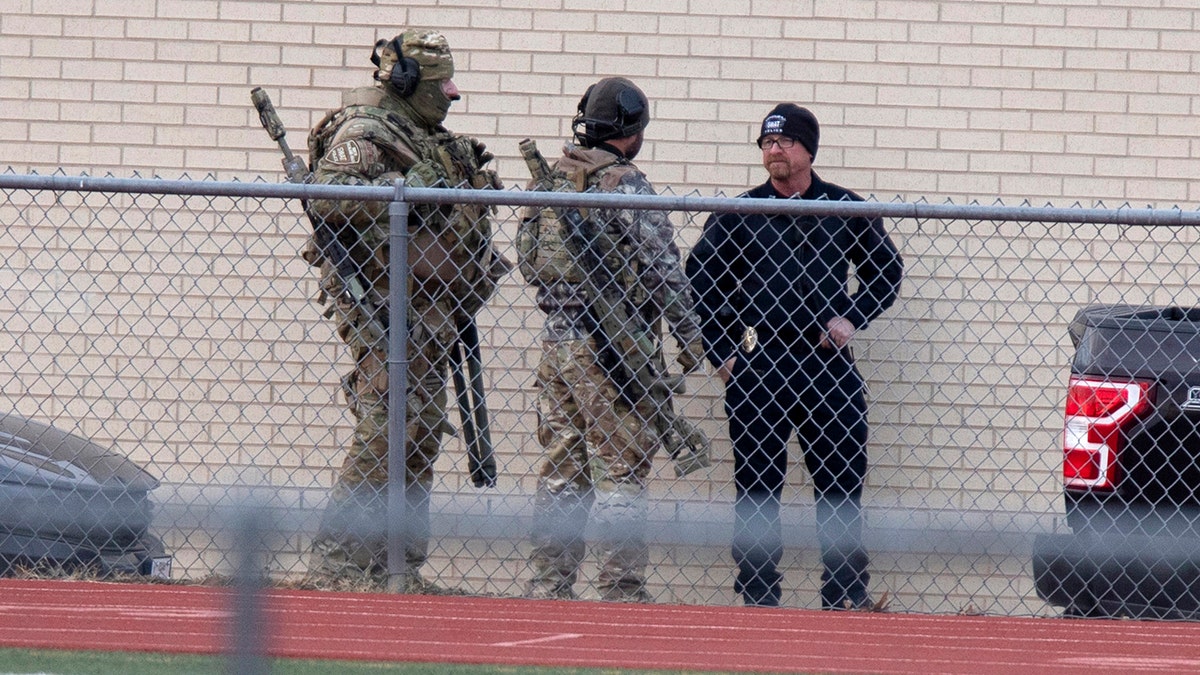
(412, 583)
(558, 546)
(555, 569)
(863, 604)
(626, 593)
(620, 517)
(547, 590)
(346, 565)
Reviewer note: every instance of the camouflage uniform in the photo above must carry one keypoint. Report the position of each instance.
(378, 136)
(599, 447)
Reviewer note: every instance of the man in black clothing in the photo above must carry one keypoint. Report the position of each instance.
(777, 318)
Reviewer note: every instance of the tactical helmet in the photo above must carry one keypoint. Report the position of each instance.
(414, 56)
(611, 108)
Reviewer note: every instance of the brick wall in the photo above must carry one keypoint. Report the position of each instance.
(975, 100)
(1059, 100)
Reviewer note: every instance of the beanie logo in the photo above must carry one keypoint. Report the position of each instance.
(795, 122)
(773, 125)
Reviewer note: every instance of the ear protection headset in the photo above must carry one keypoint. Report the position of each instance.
(628, 121)
(406, 73)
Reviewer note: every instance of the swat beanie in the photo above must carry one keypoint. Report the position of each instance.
(789, 119)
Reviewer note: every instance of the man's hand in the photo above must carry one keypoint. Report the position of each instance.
(487, 179)
(838, 332)
(691, 357)
(693, 459)
(420, 175)
(688, 446)
(481, 151)
(726, 370)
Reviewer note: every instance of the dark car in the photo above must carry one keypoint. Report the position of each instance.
(1131, 468)
(68, 504)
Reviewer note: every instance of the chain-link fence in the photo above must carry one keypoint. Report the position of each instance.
(175, 324)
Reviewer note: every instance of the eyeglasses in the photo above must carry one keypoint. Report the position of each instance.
(784, 142)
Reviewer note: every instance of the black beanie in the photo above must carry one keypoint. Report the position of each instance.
(789, 119)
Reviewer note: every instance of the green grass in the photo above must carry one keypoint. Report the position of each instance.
(54, 662)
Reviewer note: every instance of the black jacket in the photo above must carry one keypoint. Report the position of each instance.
(787, 276)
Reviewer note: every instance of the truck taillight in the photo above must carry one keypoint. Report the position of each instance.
(1096, 411)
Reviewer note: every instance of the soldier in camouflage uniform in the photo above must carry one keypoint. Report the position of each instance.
(599, 446)
(382, 133)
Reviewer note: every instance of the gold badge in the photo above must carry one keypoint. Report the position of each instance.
(749, 339)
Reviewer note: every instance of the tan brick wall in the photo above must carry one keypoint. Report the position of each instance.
(918, 99)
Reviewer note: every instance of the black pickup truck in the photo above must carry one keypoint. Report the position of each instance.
(1131, 468)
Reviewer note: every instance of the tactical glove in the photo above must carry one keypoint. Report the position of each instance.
(693, 459)
(486, 178)
(688, 446)
(691, 357)
(481, 152)
(424, 174)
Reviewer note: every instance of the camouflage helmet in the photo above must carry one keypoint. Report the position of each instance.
(414, 56)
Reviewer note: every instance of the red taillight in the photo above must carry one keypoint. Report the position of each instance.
(1096, 411)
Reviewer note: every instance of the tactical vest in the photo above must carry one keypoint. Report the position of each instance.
(450, 243)
(542, 251)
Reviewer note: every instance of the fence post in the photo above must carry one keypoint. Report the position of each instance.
(397, 526)
(248, 647)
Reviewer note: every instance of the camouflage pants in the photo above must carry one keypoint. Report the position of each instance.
(352, 542)
(599, 452)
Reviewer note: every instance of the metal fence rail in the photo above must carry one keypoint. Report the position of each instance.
(174, 322)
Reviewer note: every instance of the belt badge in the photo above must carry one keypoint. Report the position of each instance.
(749, 339)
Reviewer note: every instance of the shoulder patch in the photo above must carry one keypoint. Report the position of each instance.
(346, 154)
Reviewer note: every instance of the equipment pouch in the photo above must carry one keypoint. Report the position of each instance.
(526, 243)
(474, 288)
(544, 255)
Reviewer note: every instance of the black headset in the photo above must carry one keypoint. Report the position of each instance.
(630, 108)
(406, 74)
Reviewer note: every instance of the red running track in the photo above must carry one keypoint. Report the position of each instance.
(511, 631)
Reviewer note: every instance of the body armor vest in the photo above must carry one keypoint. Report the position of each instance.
(542, 251)
(450, 243)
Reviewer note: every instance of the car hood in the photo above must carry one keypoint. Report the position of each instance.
(36, 454)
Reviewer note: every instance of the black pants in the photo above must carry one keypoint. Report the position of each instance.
(819, 396)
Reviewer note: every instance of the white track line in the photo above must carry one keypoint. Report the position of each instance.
(534, 641)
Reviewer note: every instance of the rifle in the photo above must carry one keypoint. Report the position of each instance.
(353, 289)
(632, 365)
(481, 462)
